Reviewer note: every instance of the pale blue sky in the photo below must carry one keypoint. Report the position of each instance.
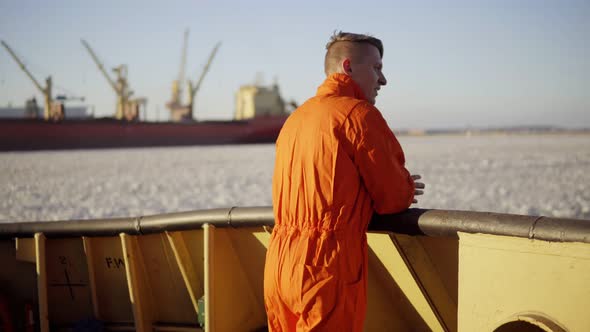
(448, 63)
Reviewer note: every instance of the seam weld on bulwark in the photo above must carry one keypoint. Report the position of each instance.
(532, 228)
(229, 216)
(138, 225)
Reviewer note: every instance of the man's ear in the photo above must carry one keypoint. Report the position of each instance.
(346, 69)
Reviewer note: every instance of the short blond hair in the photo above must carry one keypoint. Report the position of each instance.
(341, 44)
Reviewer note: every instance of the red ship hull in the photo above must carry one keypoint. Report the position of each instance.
(108, 133)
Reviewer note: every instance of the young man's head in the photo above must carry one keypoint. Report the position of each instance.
(358, 56)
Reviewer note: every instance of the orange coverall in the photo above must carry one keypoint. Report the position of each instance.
(337, 162)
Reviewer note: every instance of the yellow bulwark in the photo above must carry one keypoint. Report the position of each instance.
(203, 271)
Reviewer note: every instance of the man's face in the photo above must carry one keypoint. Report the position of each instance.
(366, 72)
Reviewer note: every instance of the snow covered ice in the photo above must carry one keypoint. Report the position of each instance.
(545, 175)
(536, 175)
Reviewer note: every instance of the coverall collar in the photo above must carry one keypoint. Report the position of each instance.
(340, 85)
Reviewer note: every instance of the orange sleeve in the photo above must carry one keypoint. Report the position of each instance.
(380, 161)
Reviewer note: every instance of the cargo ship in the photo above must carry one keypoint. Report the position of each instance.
(37, 134)
(259, 115)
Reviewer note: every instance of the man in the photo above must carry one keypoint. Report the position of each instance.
(337, 163)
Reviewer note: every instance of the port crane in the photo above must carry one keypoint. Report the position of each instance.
(127, 108)
(178, 111)
(53, 110)
(175, 104)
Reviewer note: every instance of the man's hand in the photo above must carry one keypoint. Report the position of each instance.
(418, 186)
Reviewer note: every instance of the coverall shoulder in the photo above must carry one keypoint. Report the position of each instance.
(337, 162)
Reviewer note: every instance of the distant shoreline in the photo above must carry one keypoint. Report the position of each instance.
(491, 132)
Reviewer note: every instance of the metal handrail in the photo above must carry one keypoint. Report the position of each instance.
(427, 222)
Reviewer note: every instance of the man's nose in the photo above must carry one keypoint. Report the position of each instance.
(382, 79)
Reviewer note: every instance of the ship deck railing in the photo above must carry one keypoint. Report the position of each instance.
(429, 270)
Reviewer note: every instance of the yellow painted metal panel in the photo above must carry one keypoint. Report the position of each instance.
(25, 249)
(91, 275)
(395, 262)
(388, 309)
(251, 256)
(188, 262)
(41, 281)
(209, 280)
(263, 236)
(165, 286)
(444, 257)
(139, 292)
(108, 266)
(69, 294)
(238, 268)
(234, 265)
(420, 255)
(502, 277)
